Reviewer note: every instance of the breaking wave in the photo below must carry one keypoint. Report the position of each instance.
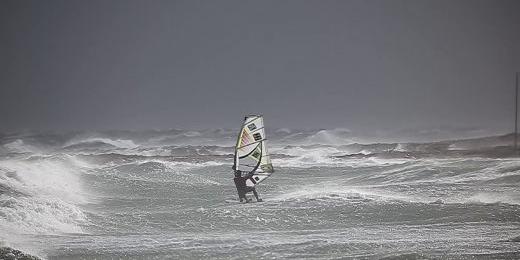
(330, 191)
(98, 141)
(41, 195)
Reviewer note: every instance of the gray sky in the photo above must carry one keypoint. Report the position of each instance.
(303, 64)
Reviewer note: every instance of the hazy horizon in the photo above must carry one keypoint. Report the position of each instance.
(342, 135)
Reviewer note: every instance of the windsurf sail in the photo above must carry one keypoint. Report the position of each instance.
(251, 154)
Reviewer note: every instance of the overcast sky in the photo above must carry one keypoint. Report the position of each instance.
(303, 64)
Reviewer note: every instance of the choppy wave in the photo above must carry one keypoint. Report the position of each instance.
(98, 141)
(18, 146)
(335, 142)
(163, 171)
(331, 191)
(54, 184)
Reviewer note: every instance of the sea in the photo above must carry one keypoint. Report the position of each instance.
(169, 194)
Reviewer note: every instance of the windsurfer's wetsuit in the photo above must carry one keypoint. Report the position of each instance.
(242, 188)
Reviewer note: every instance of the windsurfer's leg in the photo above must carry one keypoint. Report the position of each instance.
(242, 196)
(242, 191)
(256, 195)
(245, 196)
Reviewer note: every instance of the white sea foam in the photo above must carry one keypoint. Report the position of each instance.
(19, 146)
(305, 157)
(39, 215)
(165, 171)
(191, 134)
(330, 190)
(181, 166)
(57, 177)
(493, 170)
(334, 137)
(320, 159)
(506, 197)
(43, 197)
(493, 197)
(119, 143)
(455, 147)
(160, 197)
(400, 148)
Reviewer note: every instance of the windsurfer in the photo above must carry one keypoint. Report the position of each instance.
(242, 188)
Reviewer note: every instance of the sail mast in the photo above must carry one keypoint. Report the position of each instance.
(235, 157)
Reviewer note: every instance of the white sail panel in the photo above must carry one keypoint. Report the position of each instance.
(251, 153)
